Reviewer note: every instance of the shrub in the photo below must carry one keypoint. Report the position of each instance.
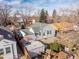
(55, 47)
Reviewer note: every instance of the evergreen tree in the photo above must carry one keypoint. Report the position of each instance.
(46, 16)
(54, 15)
(43, 16)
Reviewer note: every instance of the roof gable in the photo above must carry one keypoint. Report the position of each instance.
(37, 27)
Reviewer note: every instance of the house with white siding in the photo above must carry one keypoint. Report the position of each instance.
(38, 31)
(8, 49)
(42, 30)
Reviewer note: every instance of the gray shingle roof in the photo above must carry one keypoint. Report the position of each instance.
(38, 26)
(6, 33)
(27, 31)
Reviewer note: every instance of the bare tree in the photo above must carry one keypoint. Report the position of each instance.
(69, 15)
(37, 14)
(25, 13)
(4, 14)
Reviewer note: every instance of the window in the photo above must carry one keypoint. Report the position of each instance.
(43, 34)
(1, 51)
(36, 34)
(39, 33)
(8, 50)
(48, 32)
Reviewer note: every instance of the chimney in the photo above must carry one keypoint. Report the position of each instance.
(1, 37)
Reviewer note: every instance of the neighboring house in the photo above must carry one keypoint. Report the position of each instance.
(35, 48)
(8, 37)
(8, 49)
(20, 21)
(26, 34)
(11, 27)
(42, 30)
(7, 34)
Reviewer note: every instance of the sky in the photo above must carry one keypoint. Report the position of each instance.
(46, 4)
